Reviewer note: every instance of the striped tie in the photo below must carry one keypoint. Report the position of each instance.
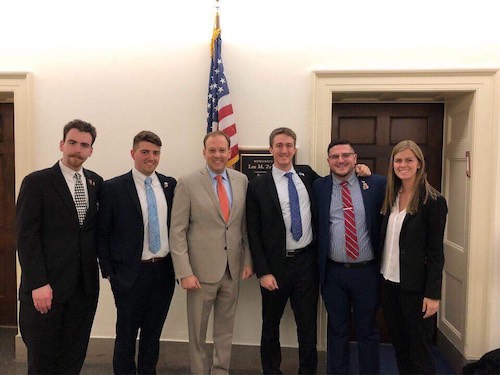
(351, 239)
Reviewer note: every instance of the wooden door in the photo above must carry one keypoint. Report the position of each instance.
(456, 186)
(374, 130)
(8, 296)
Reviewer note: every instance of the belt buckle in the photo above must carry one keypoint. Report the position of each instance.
(290, 253)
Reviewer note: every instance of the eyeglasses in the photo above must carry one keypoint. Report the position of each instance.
(345, 155)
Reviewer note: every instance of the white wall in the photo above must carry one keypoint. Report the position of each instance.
(127, 66)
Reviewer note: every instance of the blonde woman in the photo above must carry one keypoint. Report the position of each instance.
(413, 259)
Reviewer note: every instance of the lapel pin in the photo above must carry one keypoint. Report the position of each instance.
(165, 185)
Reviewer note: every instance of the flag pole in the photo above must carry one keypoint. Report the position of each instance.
(217, 25)
(220, 114)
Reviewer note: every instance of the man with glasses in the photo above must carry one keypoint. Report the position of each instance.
(349, 252)
(280, 216)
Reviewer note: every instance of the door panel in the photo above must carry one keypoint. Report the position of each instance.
(374, 130)
(8, 297)
(456, 188)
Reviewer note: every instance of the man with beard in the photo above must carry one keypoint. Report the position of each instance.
(56, 220)
(349, 252)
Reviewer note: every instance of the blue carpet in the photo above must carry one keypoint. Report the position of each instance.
(388, 361)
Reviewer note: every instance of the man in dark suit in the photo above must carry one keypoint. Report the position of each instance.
(284, 262)
(56, 216)
(349, 252)
(134, 254)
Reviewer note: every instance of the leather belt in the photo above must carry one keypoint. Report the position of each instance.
(292, 253)
(153, 260)
(353, 265)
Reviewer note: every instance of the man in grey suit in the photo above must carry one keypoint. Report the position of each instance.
(209, 247)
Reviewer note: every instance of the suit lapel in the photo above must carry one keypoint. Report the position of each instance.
(237, 193)
(206, 181)
(271, 187)
(92, 192)
(327, 192)
(367, 202)
(61, 187)
(132, 191)
(168, 191)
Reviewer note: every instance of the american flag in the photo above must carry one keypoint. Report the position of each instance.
(219, 108)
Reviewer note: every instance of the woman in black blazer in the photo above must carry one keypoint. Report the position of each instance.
(413, 258)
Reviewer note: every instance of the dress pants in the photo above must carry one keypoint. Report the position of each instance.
(223, 298)
(57, 341)
(356, 288)
(411, 334)
(145, 307)
(300, 284)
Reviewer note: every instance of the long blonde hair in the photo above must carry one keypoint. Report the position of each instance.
(421, 186)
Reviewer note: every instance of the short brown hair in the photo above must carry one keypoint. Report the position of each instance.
(81, 126)
(146, 136)
(278, 131)
(215, 134)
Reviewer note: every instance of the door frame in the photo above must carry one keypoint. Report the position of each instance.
(20, 84)
(484, 164)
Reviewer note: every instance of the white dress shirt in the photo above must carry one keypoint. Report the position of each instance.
(69, 177)
(390, 256)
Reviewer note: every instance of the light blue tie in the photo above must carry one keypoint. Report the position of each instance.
(153, 223)
(293, 196)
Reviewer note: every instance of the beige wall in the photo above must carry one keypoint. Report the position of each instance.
(127, 67)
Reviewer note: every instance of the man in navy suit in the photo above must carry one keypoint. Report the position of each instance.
(56, 219)
(349, 261)
(133, 258)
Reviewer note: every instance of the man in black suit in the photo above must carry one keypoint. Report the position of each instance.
(56, 219)
(134, 254)
(284, 262)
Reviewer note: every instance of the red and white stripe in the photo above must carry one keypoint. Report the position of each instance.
(351, 238)
(227, 124)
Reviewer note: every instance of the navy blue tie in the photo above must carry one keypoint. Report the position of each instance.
(293, 196)
(153, 223)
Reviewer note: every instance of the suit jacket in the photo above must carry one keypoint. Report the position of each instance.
(373, 192)
(203, 244)
(120, 232)
(266, 227)
(421, 253)
(53, 248)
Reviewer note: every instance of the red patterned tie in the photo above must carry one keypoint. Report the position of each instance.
(351, 239)
(223, 199)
